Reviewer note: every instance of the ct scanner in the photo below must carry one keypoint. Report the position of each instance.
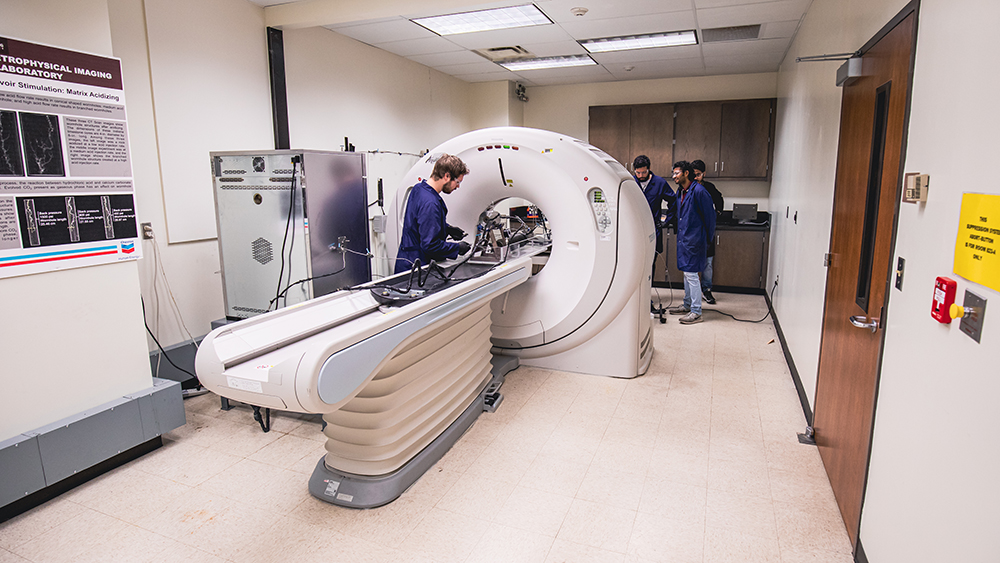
(401, 367)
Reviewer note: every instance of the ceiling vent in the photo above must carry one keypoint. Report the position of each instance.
(496, 54)
(738, 33)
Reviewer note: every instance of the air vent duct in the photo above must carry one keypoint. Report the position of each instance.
(505, 53)
(737, 33)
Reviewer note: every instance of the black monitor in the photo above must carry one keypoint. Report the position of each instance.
(744, 212)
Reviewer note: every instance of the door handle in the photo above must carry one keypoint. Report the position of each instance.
(860, 322)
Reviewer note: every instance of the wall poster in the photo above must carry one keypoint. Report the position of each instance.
(66, 189)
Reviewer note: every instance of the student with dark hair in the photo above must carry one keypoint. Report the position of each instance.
(718, 202)
(657, 190)
(695, 229)
(424, 226)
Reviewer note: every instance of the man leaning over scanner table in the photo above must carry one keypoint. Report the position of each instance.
(424, 227)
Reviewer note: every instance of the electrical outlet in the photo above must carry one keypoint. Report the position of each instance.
(147, 230)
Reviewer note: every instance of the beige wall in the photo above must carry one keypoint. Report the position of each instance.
(931, 493)
(339, 87)
(932, 490)
(565, 109)
(73, 339)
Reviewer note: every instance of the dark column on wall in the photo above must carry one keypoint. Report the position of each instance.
(279, 99)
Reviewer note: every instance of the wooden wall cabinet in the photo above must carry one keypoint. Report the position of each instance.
(625, 132)
(733, 138)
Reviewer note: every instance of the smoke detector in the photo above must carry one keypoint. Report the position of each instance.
(578, 11)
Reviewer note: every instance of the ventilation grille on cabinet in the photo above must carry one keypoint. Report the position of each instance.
(263, 250)
(738, 33)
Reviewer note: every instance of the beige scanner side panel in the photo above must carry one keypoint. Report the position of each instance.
(426, 385)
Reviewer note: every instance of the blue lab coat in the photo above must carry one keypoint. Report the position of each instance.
(657, 191)
(695, 227)
(424, 229)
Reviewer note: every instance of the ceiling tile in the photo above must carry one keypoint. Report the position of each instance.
(419, 46)
(481, 67)
(727, 48)
(487, 76)
(450, 58)
(632, 25)
(767, 61)
(588, 72)
(559, 10)
(701, 4)
(749, 14)
(399, 29)
(561, 80)
(510, 37)
(638, 55)
(658, 69)
(772, 30)
(557, 49)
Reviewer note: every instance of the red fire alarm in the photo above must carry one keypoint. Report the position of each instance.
(944, 296)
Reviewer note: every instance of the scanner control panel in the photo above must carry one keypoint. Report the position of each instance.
(602, 212)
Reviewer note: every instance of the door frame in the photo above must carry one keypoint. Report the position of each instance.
(913, 7)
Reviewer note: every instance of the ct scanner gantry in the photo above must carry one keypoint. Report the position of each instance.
(399, 380)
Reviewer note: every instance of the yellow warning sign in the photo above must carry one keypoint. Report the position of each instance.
(978, 244)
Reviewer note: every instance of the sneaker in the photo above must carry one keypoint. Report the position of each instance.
(690, 319)
(679, 310)
(708, 297)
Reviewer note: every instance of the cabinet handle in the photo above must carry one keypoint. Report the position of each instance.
(716, 165)
(723, 165)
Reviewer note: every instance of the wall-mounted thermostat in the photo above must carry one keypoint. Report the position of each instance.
(915, 188)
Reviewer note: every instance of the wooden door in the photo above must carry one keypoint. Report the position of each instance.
(697, 129)
(738, 258)
(872, 136)
(746, 139)
(653, 136)
(610, 131)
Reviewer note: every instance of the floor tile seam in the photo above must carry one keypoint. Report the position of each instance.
(36, 536)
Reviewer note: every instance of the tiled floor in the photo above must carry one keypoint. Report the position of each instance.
(696, 461)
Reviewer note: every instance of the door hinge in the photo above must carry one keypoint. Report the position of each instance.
(827, 260)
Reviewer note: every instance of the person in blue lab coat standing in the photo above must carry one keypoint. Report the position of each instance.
(424, 227)
(695, 230)
(657, 190)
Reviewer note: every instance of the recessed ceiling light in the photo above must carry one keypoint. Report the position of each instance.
(547, 62)
(485, 20)
(647, 41)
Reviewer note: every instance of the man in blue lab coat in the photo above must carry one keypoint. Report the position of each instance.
(424, 225)
(657, 190)
(695, 230)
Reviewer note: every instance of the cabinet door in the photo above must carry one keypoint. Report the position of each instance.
(739, 258)
(653, 136)
(746, 139)
(610, 130)
(697, 129)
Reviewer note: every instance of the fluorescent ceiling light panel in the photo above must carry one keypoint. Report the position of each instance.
(647, 41)
(485, 20)
(547, 62)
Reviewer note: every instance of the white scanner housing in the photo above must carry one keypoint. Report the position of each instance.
(587, 310)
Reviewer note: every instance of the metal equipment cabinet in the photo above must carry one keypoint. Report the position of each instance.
(291, 222)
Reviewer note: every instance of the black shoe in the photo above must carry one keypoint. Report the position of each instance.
(708, 297)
